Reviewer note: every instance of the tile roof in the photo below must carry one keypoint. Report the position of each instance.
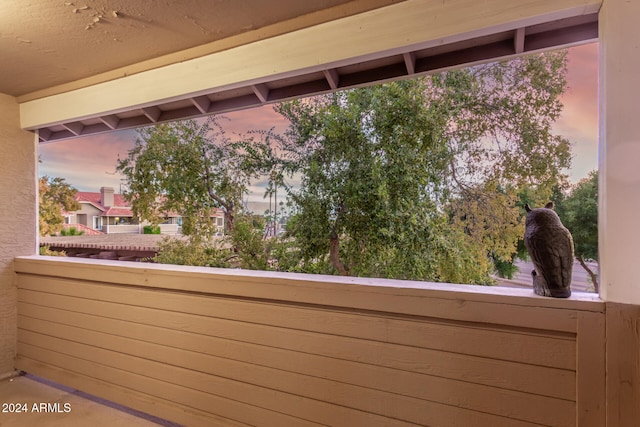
(96, 198)
(116, 211)
(88, 231)
(120, 205)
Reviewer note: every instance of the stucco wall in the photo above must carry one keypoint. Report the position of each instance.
(18, 213)
(89, 210)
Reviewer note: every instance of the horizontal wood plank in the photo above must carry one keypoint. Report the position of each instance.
(134, 378)
(115, 393)
(264, 345)
(502, 345)
(506, 403)
(437, 415)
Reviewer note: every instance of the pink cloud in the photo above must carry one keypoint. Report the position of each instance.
(86, 163)
(579, 119)
(262, 118)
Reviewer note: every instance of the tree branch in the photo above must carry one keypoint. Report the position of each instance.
(594, 276)
(334, 247)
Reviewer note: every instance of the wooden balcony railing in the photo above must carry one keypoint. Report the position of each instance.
(207, 347)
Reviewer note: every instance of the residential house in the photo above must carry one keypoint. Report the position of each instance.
(110, 213)
(212, 347)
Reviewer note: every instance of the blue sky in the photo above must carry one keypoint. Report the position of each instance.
(89, 163)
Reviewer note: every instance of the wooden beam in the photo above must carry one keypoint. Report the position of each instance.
(74, 127)
(261, 91)
(623, 364)
(410, 62)
(152, 113)
(590, 369)
(111, 120)
(233, 104)
(202, 103)
(332, 77)
(518, 40)
(44, 134)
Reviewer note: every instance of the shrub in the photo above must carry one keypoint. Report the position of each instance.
(71, 231)
(187, 252)
(46, 251)
(151, 229)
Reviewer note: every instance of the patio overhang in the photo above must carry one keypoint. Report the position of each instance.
(402, 40)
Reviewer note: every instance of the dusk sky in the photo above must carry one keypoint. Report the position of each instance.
(89, 163)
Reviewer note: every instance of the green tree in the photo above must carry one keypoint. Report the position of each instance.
(503, 151)
(579, 213)
(388, 170)
(189, 167)
(55, 196)
(360, 153)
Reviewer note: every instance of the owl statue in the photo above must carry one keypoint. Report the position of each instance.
(550, 247)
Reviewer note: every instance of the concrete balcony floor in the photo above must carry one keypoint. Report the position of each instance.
(67, 407)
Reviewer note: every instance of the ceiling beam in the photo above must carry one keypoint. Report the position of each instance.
(518, 40)
(410, 62)
(202, 103)
(44, 134)
(111, 121)
(333, 78)
(427, 61)
(152, 113)
(261, 91)
(74, 127)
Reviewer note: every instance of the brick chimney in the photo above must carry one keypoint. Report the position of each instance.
(106, 194)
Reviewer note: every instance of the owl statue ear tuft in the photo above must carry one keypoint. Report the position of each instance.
(527, 207)
(549, 205)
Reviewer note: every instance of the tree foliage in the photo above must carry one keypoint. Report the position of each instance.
(415, 179)
(188, 167)
(55, 196)
(500, 119)
(195, 252)
(579, 213)
(503, 151)
(422, 179)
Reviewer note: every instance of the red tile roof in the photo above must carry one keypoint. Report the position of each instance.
(96, 199)
(120, 205)
(88, 231)
(115, 211)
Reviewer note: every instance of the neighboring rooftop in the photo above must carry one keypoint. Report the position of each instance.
(87, 231)
(139, 242)
(96, 198)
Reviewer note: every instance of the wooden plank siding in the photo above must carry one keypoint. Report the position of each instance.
(211, 347)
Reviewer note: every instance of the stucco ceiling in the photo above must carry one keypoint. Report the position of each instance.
(46, 43)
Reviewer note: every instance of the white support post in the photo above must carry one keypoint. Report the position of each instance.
(619, 191)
